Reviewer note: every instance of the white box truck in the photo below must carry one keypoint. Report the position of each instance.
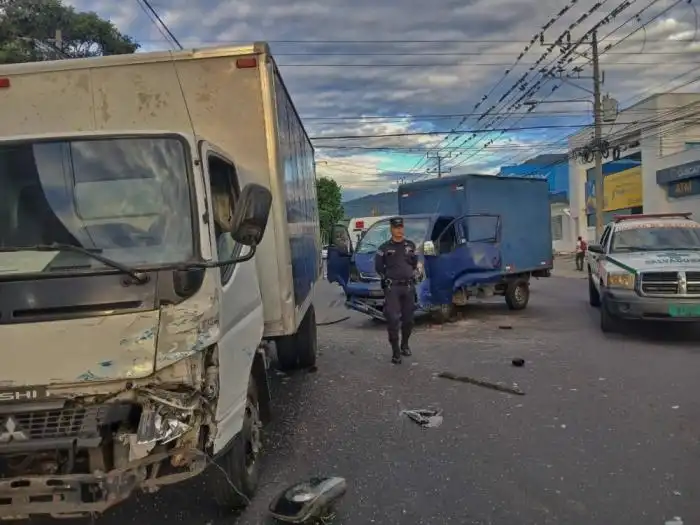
(158, 231)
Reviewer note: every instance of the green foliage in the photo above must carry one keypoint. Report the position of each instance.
(330, 210)
(28, 29)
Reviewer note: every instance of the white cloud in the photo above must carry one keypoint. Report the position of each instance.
(422, 77)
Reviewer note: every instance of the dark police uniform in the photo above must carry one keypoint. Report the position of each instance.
(395, 263)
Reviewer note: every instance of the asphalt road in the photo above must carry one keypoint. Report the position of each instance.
(606, 433)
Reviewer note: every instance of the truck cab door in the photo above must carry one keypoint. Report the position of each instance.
(339, 256)
(468, 246)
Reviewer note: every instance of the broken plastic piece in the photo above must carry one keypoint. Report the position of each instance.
(427, 418)
(307, 501)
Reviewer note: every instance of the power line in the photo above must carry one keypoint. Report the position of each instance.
(526, 87)
(467, 64)
(372, 42)
(426, 133)
(165, 27)
(572, 47)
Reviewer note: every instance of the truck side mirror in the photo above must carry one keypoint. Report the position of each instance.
(340, 239)
(595, 248)
(251, 215)
(429, 248)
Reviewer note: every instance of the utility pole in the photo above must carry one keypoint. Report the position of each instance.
(597, 139)
(597, 118)
(439, 169)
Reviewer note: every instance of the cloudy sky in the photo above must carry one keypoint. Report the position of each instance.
(398, 68)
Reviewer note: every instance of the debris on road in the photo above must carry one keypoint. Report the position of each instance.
(336, 321)
(427, 418)
(309, 501)
(505, 327)
(518, 361)
(480, 382)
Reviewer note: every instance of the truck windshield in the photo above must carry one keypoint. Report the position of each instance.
(656, 239)
(126, 198)
(414, 230)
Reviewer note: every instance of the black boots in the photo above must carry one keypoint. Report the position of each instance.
(405, 349)
(395, 352)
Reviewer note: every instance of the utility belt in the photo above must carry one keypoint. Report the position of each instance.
(388, 283)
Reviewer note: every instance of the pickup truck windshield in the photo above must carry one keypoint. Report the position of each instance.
(661, 238)
(126, 198)
(414, 230)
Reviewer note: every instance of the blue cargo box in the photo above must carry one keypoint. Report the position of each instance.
(522, 203)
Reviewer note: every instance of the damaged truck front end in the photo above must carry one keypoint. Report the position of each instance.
(74, 457)
(110, 315)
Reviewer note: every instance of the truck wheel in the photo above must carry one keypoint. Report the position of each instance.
(608, 323)
(445, 313)
(593, 295)
(240, 465)
(517, 294)
(307, 344)
(299, 350)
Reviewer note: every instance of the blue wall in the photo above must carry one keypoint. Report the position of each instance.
(556, 171)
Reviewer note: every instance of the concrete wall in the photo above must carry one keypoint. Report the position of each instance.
(561, 215)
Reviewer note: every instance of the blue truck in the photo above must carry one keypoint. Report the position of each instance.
(477, 236)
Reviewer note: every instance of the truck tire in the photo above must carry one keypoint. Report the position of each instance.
(240, 464)
(445, 313)
(608, 323)
(299, 350)
(518, 294)
(593, 295)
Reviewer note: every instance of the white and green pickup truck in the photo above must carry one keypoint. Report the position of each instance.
(646, 267)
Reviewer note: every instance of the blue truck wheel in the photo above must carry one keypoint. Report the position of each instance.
(445, 313)
(518, 294)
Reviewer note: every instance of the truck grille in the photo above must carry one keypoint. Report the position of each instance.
(670, 283)
(61, 423)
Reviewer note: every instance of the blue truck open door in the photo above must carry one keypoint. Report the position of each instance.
(339, 256)
(468, 245)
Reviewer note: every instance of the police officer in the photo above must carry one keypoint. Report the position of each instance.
(395, 263)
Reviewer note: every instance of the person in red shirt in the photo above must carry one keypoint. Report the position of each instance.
(581, 247)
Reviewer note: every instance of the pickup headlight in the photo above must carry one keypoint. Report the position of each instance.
(622, 280)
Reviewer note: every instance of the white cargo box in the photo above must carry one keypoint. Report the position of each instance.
(233, 98)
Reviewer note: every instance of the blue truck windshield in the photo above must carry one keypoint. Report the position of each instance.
(127, 198)
(415, 230)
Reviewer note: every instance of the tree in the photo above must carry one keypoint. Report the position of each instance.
(330, 210)
(28, 30)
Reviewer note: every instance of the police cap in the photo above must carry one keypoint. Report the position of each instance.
(396, 222)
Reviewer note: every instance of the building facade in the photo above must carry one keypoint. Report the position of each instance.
(651, 163)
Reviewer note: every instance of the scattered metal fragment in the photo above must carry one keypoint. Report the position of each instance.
(309, 501)
(427, 418)
(336, 321)
(480, 382)
(518, 361)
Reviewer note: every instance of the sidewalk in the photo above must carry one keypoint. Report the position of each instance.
(565, 266)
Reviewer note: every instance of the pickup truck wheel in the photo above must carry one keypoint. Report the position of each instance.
(517, 294)
(240, 465)
(299, 350)
(593, 295)
(608, 323)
